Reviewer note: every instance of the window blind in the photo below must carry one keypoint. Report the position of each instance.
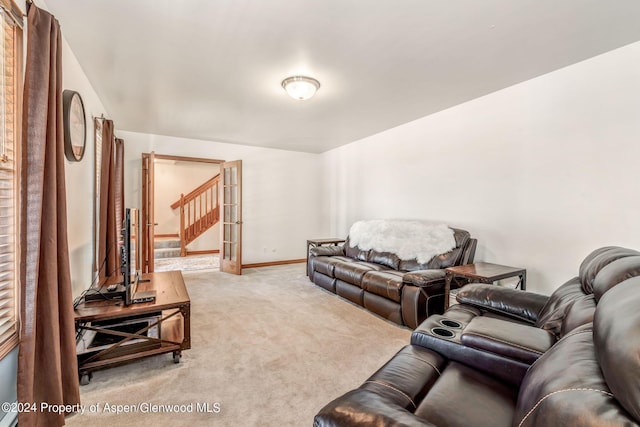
(10, 46)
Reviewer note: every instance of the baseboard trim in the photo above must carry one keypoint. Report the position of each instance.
(272, 263)
(206, 252)
(166, 235)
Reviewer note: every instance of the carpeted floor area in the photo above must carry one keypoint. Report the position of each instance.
(269, 348)
(188, 263)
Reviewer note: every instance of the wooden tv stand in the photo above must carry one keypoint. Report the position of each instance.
(168, 317)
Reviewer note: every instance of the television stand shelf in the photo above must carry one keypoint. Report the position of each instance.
(111, 333)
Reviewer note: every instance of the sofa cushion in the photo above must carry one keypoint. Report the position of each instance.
(383, 307)
(602, 269)
(353, 272)
(387, 259)
(326, 264)
(386, 283)
(614, 273)
(578, 313)
(617, 339)
(512, 340)
(566, 384)
(464, 397)
(355, 252)
(597, 260)
(552, 314)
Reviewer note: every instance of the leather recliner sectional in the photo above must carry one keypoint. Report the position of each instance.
(403, 291)
(513, 358)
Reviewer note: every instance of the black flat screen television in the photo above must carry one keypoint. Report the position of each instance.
(125, 256)
(128, 266)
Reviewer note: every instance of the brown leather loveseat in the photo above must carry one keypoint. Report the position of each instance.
(570, 359)
(403, 291)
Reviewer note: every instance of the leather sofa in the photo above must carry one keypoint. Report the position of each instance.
(534, 322)
(403, 291)
(515, 358)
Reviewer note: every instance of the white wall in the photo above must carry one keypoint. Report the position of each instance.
(541, 173)
(80, 177)
(281, 191)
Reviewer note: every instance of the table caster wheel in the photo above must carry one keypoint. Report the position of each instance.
(85, 379)
(176, 357)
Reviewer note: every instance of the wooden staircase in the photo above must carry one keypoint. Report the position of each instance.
(199, 211)
(166, 247)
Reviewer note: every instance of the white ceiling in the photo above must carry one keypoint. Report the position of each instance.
(211, 69)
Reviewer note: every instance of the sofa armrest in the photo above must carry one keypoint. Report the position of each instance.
(390, 396)
(521, 305)
(512, 340)
(443, 334)
(364, 408)
(424, 278)
(469, 252)
(422, 295)
(327, 251)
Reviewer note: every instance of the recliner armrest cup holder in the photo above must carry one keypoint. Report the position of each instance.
(446, 330)
(451, 323)
(442, 332)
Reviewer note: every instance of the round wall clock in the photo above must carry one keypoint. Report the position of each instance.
(75, 125)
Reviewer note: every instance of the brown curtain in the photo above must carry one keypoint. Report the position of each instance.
(47, 366)
(111, 202)
(119, 181)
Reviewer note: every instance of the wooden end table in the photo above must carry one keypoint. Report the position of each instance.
(314, 243)
(482, 272)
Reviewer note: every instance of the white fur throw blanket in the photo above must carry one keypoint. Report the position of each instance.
(408, 239)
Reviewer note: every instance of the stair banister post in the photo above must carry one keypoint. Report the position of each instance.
(205, 203)
(183, 246)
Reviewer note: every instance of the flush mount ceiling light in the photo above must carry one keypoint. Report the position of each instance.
(300, 87)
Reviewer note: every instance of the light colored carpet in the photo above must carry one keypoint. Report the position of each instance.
(187, 263)
(270, 347)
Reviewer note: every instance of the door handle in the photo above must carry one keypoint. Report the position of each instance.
(149, 225)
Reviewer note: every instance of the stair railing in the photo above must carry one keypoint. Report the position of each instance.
(199, 211)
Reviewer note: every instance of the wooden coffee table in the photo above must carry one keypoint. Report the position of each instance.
(127, 327)
(482, 272)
